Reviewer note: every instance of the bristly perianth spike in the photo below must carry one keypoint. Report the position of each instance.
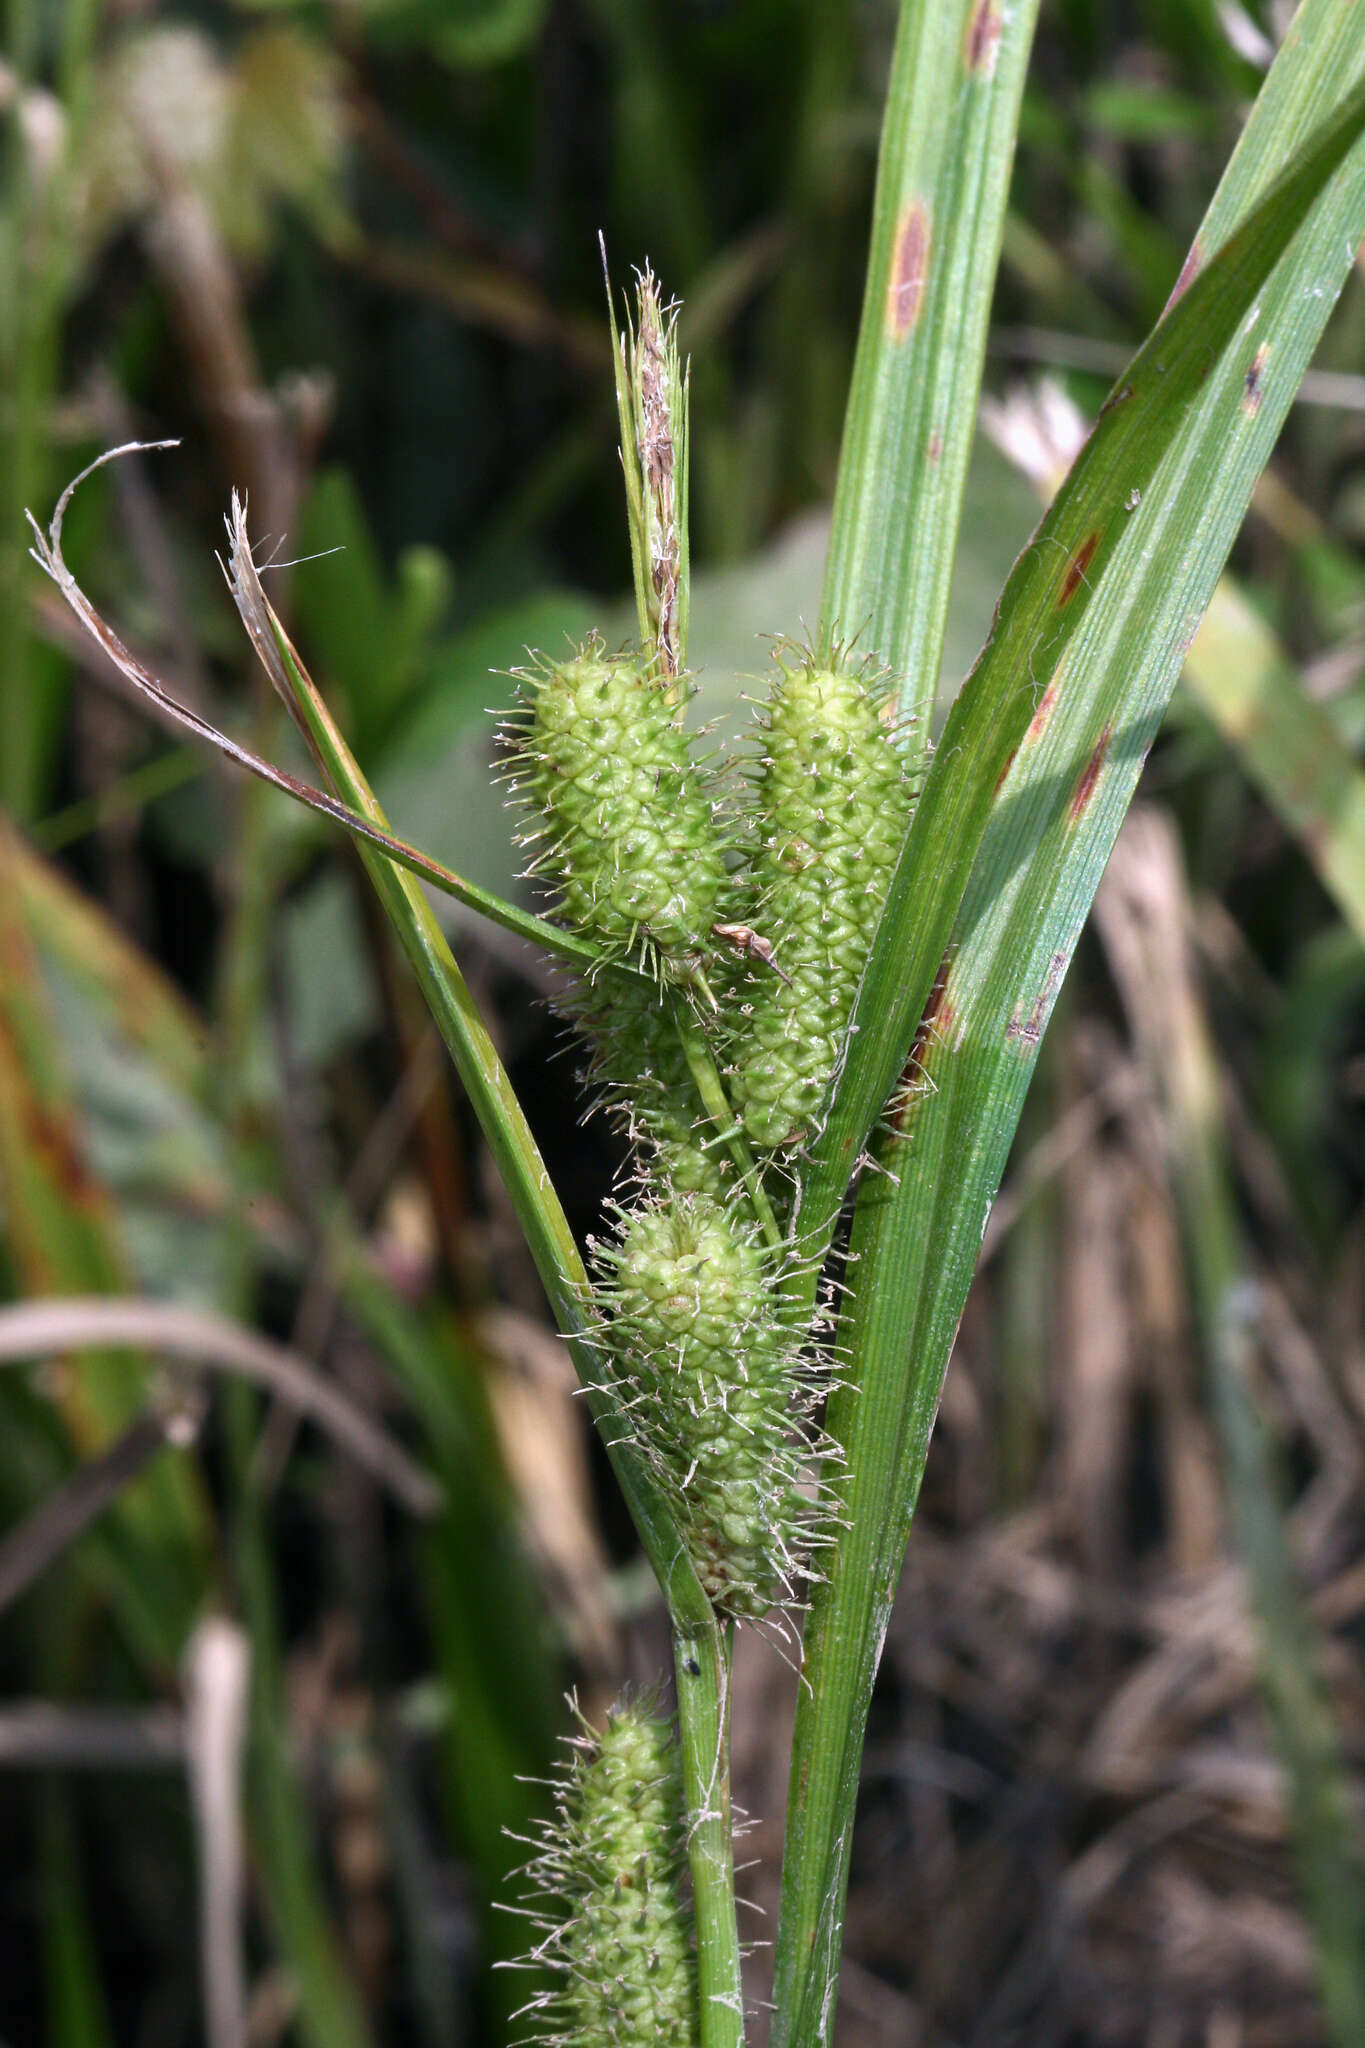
(722, 1396)
(605, 1887)
(832, 803)
(630, 827)
(629, 835)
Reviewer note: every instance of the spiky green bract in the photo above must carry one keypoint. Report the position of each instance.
(715, 1386)
(608, 1880)
(625, 827)
(833, 802)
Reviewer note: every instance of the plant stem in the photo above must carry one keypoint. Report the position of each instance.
(716, 1103)
(702, 1663)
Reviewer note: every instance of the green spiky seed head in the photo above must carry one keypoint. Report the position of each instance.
(609, 1880)
(624, 826)
(833, 802)
(716, 1391)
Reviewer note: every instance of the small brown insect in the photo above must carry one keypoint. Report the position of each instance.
(745, 939)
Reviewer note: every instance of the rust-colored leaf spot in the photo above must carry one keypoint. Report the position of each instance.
(1088, 779)
(935, 448)
(1009, 763)
(1116, 398)
(983, 35)
(1077, 566)
(938, 1011)
(1252, 382)
(1026, 1027)
(51, 1140)
(1189, 270)
(935, 1020)
(909, 268)
(1038, 723)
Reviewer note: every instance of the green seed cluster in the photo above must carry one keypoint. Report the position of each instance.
(709, 1371)
(609, 1875)
(832, 803)
(624, 826)
(624, 823)
(716, 1392)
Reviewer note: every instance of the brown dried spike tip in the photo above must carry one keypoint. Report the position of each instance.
(654, 403)
(651, 395)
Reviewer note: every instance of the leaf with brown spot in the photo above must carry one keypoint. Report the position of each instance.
(983, 34)
(1076, 568)
(1088, 779)
(61, 1228)
(1186, 395)
(1005, 875)
(933, 1025)
(1189, 270)
(943, 176)
(1026, 1027)
(1038, 723)
(909, 270)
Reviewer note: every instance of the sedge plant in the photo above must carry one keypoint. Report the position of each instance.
(811, 982)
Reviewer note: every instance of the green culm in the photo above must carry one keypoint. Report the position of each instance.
(641, 1071)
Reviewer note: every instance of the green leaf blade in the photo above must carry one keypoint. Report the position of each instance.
(1037, 766)
(1285, 741)
(948, 145)
(1182, 439)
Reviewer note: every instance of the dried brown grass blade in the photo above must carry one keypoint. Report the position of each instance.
(40, 1329)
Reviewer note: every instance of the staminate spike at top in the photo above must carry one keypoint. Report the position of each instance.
(651, 399)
